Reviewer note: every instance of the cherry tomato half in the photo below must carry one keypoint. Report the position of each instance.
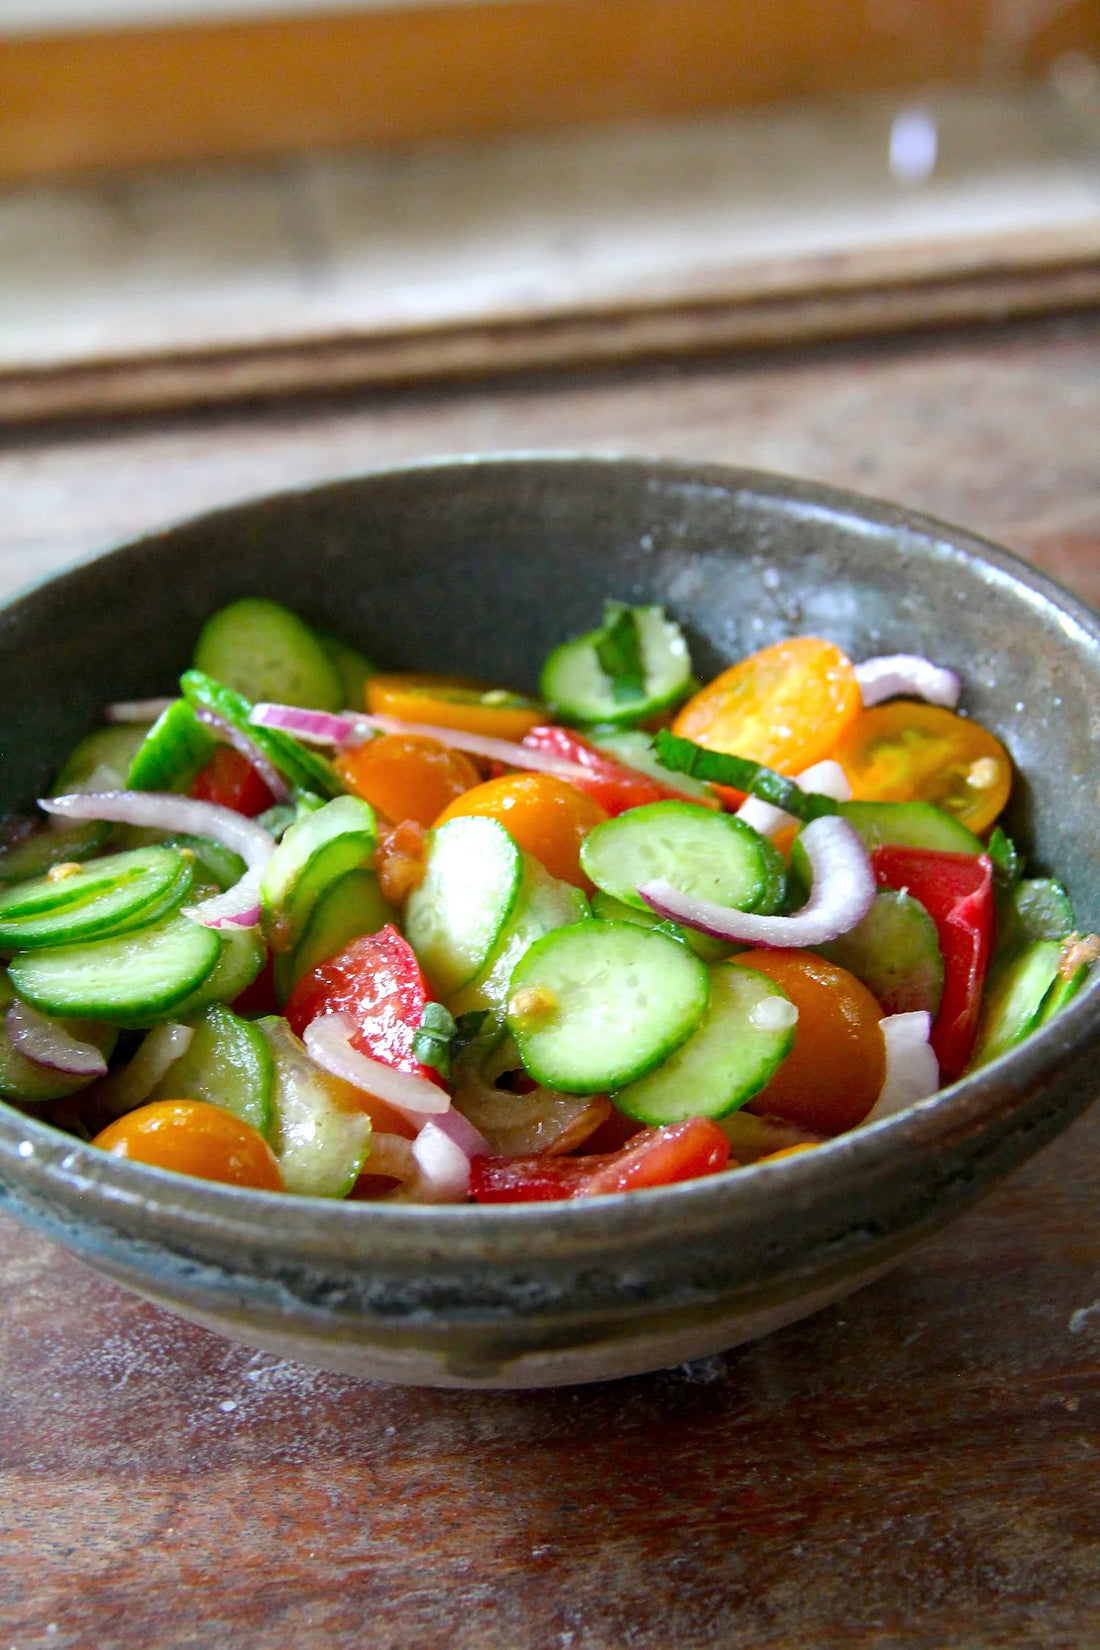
(230, 780)
(547, 816)
(451, 702)
(834, 1072)
(406, 776)
(654, 1157)
(195, 1138)
(907, 751)
(785, 706)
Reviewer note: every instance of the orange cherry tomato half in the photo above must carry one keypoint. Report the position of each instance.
(405, 776)
(452, 702)
(834, 1072)
(546, 815)
(192, 1137)
(785, 706)
(907, 751)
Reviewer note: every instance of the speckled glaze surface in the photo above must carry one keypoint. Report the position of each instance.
(478, 566)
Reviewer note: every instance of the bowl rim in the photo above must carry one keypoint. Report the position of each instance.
(44, 1157)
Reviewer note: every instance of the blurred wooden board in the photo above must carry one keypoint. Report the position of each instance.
(175, 288)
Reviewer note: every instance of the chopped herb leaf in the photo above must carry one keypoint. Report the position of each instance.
(619, 652)
(1008, 864)
(432, 1040)
(718, 768)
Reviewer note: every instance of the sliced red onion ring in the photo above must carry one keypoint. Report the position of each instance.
(163, 811)
(313, 727)
(238, 907)
(912, 1070)
(328, 1042)
(459, 1129)
(843, 889)
(444, 1167)
(344, 729)
(49, 1044)
(908, 675)
(232, 735)
(137, 710)
(825, 778)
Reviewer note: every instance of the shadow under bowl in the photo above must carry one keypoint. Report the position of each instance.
(479, 566)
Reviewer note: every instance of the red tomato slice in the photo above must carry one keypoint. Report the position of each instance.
(376, 981)
(611, 783)
(230, 780)
(655, 1157)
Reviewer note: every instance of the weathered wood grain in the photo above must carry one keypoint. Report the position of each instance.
(914, 1469)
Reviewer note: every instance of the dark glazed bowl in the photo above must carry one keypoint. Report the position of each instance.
(478, 567)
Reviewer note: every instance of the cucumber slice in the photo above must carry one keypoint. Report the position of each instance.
(33, 855)
(596, 1005)
(104, 897)
(319, 1132)
(636, 750)
(575, 683)
(1014, 1000)
(229, 1064)
(101, 762)
(172, 752)
(119, 979)
(22, 1079)
(303, 769)
(1063, 991)
(241, 955)
(728, 1059)
(349, 906)
(316, 851)
(543, 904)
(266, 652)
(1043, 909)
(353, 670)
(221, 865)
(457, 915)
(711, 855)
(910, 825)
(704, 945)
(895, 952)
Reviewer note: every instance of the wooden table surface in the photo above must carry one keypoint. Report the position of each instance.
(914, 1469)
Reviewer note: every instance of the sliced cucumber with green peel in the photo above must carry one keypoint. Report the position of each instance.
(213, 862)
(1014, 999)
(348, 907)
(597, 1005)
(25, 1080)
(708, 855)
(704, 945)
(1063, 991)
(266, 652)
(303, 769)
(583, 682)
(36, 853)
(1043, 909)
(241, 955)
(457, 915)
(319, 1132)
(315, 852)
(101, 762)
(172, 752)
(228, 1063)
(636, 750)
(734, 1052)
(105, 896)
(353, 670)
(122, 979)
(544, 903)
(910, 825)
(895, 951)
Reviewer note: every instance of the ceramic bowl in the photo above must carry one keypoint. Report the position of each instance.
(478, 567)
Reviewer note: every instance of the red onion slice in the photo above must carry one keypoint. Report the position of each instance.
(49, 1044)
(328, 1042)
(444, 1167)
(137, 710)
(912, 1070)
(458, 1128)
(825, 778)
(910, 676)
(238, 907)
(313, 727)
(842, 893)
(164, 811)
(248, 748)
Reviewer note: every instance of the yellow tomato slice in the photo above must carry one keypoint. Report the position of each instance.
(785, 706)
(452, 702)
(906, 751)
